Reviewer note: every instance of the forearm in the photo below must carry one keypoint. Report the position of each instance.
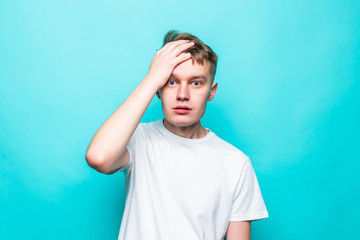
(108, 146)
(239, 230)
(111, 139)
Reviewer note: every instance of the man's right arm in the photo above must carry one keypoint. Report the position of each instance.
(107, 151)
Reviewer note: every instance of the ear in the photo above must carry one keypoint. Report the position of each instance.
(212, 91)
(158, 94)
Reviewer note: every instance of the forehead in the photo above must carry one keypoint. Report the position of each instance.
(187, 70)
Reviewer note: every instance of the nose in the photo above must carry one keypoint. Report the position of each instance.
(183, 93)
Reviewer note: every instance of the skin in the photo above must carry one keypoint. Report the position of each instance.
(239, 230)
(107, 151)
(189, 85)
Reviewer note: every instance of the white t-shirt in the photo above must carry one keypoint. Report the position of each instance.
(181, 188)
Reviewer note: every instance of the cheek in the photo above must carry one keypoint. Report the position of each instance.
(165, 100)
(202, 98)
(167, 92)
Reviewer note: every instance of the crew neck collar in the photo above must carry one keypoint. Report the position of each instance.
(207, 137)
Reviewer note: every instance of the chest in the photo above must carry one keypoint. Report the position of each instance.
(195, 179)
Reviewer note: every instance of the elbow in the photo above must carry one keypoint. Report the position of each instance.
(97, 163)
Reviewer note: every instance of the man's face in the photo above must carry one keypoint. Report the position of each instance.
(185, 95)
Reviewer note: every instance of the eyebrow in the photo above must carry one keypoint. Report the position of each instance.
(193, 77)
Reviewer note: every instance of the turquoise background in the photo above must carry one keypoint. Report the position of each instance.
(288, 97)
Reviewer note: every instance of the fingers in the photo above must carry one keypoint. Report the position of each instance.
(179, 49)
(165, 59)
(173, 52)
(171, 45)
(182, 58)
(176, 47)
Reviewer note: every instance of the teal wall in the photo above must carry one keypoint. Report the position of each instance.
(288, 97)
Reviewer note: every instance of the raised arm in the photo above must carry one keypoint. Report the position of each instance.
(107, 151)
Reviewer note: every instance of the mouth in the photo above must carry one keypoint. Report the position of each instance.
(182, 109)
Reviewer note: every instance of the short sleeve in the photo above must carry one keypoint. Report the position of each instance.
(248, 203)
(130, 147)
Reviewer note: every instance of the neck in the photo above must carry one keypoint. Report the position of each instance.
(193, 131)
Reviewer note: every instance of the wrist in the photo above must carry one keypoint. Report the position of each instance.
(151, 84)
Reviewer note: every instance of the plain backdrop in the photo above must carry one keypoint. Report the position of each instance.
(288, 97)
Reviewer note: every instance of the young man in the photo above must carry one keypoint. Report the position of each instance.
(182, 180)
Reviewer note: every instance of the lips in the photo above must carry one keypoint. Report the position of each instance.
(182, 109)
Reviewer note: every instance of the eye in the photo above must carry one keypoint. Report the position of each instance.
(196, 83)
(171, 82)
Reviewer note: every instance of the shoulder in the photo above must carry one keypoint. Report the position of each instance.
(148, 128)
(229, 151)
(228, 148)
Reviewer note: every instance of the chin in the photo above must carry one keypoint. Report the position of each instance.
(181, 120)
